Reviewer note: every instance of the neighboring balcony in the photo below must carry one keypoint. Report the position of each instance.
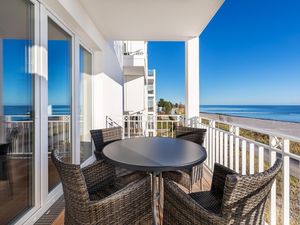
(134, 58)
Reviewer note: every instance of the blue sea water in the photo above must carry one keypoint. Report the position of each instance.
(20, 112)
(288, 113)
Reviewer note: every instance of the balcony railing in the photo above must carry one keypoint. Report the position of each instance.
(251, 151)
(245, 150)
(59, 133)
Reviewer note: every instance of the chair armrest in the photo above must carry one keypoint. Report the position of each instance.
(180, 208)
(99, 173)
(125, 206)
(219, 178)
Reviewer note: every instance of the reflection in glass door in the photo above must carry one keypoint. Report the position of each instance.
(85, 104)
(59, 97)
(16, 109)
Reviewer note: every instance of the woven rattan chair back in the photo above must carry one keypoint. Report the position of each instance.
(102, 137)
(245, 196)
(74, 186)
(195, 135)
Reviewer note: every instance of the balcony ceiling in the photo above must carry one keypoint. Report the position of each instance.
(151, 19)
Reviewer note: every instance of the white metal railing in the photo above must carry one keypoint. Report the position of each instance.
(139, 125)
(229, 147)
(59, 133)
(111, 123)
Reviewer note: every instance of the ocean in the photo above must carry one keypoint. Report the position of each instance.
(23, 112)
(287, 113)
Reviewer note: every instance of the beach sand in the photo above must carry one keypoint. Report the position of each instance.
(290, 130)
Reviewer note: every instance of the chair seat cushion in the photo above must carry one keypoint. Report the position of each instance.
(208, 201)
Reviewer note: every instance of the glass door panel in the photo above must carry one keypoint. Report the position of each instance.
(59, 97)
(85, 104)
(16, 109)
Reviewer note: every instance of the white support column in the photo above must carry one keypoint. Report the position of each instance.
(76, 103)
(192, 101)
(2, 130)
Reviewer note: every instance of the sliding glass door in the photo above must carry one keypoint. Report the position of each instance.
(17, 109)
(59, 97)
(40, 90)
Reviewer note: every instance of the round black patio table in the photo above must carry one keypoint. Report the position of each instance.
(154, 155)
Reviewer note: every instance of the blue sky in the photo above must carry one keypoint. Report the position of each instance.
(249, 54)
(59, 73)
(18, 83)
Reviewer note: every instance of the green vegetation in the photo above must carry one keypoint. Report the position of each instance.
(166, 105)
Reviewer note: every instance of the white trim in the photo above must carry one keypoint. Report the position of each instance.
(76, 102)
(55, 195)
(44, 101)
(45, 14)
(85, 47)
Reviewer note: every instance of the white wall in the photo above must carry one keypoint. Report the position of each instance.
(108, 74)
(134, 93)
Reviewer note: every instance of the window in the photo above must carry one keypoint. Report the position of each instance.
(16, 109)
(85, 104)
(59, 97)
(150, 104)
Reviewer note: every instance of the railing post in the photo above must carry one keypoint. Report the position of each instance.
(212, 125)
(217, 146)
(226, 149)
(235, 131)
(251, 159)
(221, 147)
(244, 157)
(286, 182)
(261, 153)
(273, 144)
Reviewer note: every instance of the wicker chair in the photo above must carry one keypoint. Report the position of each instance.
(233, 199)
(93, 195)
(188, 177)
(103, 137)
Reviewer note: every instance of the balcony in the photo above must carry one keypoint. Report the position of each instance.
(73, 55)
(237, 147)
(243, 149)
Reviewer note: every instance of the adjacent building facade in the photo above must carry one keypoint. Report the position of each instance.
(139, 87)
